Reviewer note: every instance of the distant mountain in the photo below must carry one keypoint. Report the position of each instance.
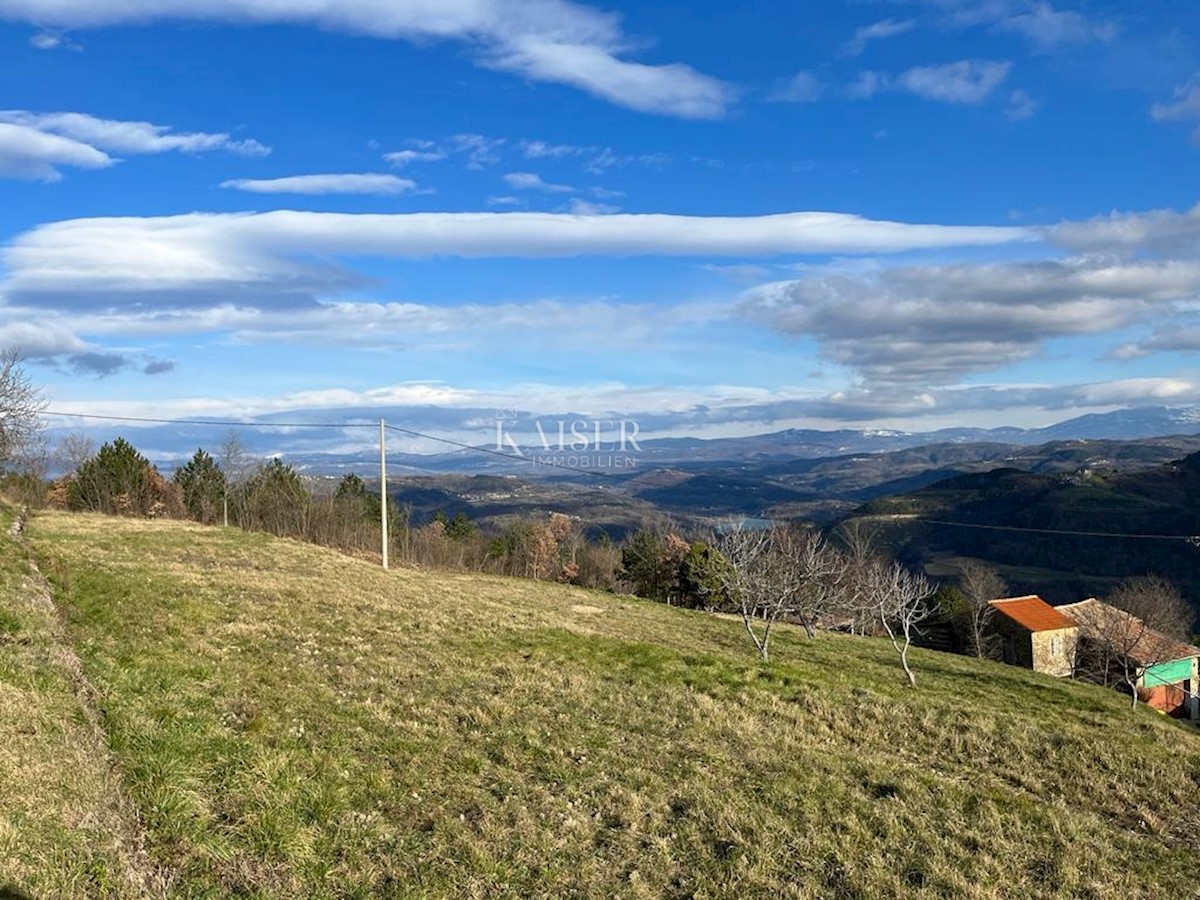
(319, 447)
(1125, 424)
(797, 443)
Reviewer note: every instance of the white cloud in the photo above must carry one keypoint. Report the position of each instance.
(401, 158)
(1038, 22)
(803, 87)
(530, 181)
(1046, 27)
(543, 40)
(1184, 106)
(607, 158)
(1020, 106)
(480, 151)
(84, 261)
(544, 150)
(672, 90)
(48, 40)
(578, 207)
(1156, 231)
(128, 137)
(866, 85)
(28, 153)
(468, 413)
(874, 32)
(325, 184)
(934, 324)
(40, 339)
(965, 81)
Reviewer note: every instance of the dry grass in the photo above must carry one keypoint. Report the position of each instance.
(294, 723)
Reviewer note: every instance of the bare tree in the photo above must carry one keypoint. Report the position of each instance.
(21, 406)
(901, 600)
(237, 464)
(980, 585)
(860, 557)
(73, 450)
(806, 571)
(778, 573)
(1158, 603)
(1138, 628)
(748, 582)
(1111, 643)
(31, 464)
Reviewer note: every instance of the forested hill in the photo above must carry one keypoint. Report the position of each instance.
(1137, 509)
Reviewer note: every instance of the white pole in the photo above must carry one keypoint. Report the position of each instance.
(383, 495)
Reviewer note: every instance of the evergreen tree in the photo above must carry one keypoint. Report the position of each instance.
(203, 485)
(703, 574)
(277, 500)
(118, 479)
(644, 560)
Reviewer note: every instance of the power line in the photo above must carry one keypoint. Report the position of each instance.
(150, 420)
(1190, 538)
(535, 461)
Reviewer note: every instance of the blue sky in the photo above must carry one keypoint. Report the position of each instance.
(715, 219)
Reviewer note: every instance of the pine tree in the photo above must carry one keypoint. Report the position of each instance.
(203, 485)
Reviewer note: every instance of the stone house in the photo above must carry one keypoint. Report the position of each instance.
(1168, 670)
(1035, 635)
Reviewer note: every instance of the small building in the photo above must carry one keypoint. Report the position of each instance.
(1035, 635)
(1167, 669)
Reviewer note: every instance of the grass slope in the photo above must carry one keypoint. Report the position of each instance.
(65, 828)
(294, 723)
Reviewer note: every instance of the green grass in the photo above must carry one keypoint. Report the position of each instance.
(289, 722)
(63, 829)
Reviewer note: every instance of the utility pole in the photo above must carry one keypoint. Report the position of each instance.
(383, 494)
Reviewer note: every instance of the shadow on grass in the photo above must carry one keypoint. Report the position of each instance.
(11, 892)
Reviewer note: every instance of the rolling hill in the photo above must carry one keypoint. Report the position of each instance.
(202, 712)
(1019, 520)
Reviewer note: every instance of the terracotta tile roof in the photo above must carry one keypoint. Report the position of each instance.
(1145, 645)
(1032, 613)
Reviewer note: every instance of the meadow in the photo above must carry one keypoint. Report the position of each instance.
(205, 712)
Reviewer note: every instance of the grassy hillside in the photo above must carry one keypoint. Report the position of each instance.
(288, 722)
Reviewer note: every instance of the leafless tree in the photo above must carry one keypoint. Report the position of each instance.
(73, 450)
(901, 600)
(980, 585)
(860, 556)
(1140, 626)
(21, 406)
(806, 576)
(775, 574)
(748, 582)
(237, 464)
(1158, 603)
(31, 464)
